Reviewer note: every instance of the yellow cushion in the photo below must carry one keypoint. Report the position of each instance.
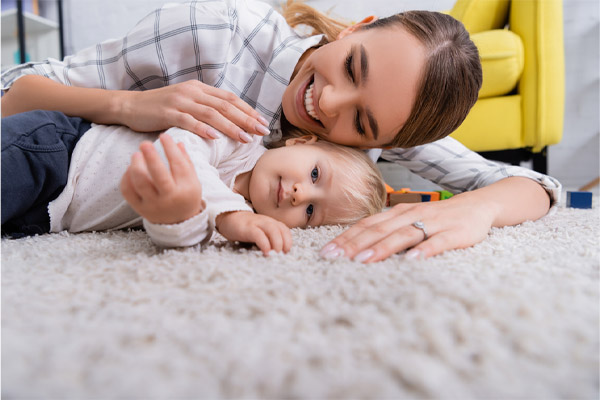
(481, 15)
(501, 53)
(493, 124)
(542, 85)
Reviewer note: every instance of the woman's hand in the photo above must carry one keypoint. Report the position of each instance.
(163, 195)
(245, 226)
(458, 222)
(193, 106)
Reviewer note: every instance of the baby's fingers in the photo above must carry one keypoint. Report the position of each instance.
(286, 235)
(140, 177)
(157, 169)
(279, 236)
(179, 161)
(262, 241)
(128, 191)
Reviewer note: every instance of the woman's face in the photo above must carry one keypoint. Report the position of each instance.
(357, 90)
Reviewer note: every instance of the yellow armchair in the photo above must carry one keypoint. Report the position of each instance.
(520, 109)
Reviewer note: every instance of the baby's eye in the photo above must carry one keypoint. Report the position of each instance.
(314, 174)
(309, 210)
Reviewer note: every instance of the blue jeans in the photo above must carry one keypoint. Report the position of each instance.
(36, 153)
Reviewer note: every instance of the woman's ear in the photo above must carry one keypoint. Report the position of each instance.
(352, 28)
(307, 139)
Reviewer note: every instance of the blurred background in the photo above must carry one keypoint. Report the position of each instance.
(574, 161)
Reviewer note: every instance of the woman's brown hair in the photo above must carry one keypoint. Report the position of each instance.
(452, 77)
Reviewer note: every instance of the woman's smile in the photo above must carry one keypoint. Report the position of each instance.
(301, 106)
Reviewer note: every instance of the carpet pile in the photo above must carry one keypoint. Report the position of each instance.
(108, 315)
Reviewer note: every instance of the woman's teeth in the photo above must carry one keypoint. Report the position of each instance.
(308, 102)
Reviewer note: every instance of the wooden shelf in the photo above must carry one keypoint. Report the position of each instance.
(34, 24)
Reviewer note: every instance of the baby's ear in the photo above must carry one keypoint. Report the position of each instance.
(307, 139)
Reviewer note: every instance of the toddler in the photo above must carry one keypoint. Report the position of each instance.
(61, 173)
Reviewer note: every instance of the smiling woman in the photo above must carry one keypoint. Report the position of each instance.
(351, 87)
(379, 75)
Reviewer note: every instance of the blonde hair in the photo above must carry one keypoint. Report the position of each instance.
(297, 14)
(451, 80)
(364, 187)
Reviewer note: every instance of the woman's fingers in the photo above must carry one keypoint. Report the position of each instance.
(194, 106)
(367, 232)
(226, 113)
(444, 225)
(242, 113)
(395, 242)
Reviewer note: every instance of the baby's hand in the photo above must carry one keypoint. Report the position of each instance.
(157, 193)
(245, 226)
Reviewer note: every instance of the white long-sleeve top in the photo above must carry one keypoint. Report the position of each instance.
(92, 201)
(246, 47)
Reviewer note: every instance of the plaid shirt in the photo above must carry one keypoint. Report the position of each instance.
(247, 48)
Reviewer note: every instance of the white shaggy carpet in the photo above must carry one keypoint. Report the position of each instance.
(108, 315)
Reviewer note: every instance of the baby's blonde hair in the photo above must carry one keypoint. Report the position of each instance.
(364, 187)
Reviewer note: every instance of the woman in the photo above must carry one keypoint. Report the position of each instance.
(238, 66)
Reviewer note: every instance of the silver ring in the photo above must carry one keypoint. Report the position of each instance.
(420, 225)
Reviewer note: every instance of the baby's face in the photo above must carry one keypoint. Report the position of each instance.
(299, 185)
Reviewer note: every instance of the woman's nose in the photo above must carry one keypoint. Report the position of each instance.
(333, 100)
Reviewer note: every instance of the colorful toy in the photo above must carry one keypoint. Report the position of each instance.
(579, 199)
(405, 195)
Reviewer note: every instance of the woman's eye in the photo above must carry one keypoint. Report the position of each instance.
(314, 174)
(358, 125)
(348, 66)
(309, 210)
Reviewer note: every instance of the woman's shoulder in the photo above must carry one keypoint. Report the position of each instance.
(245, 16)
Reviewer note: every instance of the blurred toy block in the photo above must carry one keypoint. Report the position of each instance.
(579, 199)
(444, 194)
(405, 195)
(433, 196)
(396, 198)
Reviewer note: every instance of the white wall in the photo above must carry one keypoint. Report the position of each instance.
(574, 161)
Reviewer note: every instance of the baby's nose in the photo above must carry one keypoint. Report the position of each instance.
(297, 194)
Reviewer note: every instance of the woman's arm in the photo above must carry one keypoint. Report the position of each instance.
(190, 105)
(459, 222)
(35, 92)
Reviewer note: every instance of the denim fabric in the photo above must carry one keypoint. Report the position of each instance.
(36, 153)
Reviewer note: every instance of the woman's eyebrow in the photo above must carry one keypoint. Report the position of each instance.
(364, 64)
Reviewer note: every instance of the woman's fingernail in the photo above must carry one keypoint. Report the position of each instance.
(262, 129)
(327, 249)
(213, 133)
(246, 138)
(263, 120)
(335, 253)
(413, 254)
(364, 255)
